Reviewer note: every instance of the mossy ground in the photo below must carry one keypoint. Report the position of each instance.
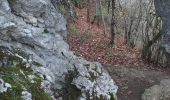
(17, 76)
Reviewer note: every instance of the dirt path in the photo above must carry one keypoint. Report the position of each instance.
(132, 82)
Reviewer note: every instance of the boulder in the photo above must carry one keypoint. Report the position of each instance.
(158, 92)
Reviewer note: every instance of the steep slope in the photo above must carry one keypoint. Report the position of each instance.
(32, 32)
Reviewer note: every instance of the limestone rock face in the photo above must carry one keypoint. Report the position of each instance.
(163, 10)
(158, 92)
(4, 86)
(26, 95)
(36, 29)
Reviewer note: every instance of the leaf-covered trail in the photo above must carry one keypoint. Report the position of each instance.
(87, 40)
(124, 64)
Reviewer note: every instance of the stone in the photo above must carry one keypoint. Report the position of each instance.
(34, 31)
(26, 95)
(158, 92)
(4, 86)
(163, 10)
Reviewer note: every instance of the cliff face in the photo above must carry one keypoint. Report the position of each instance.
(161, 91)
(163, 10)
(36, 58)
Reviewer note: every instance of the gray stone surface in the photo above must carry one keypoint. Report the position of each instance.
(158, 92)
(37, 28)
(4, 86)
(163, 10)
(26, 95)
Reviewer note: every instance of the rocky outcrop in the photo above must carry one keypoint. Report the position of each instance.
(4, 86)
(158, 92)
(32, 31)
(163, 10)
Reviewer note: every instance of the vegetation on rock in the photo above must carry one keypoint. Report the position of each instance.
(15, 72)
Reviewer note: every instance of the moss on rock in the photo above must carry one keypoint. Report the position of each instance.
(18, 76)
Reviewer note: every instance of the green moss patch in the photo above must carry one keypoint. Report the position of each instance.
(17, 76)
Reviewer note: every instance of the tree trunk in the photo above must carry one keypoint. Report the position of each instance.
(113, 23)
(88, 10)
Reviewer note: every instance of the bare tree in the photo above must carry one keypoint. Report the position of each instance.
(88, 10)
(113, 23)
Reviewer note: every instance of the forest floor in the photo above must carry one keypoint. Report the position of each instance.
(128, 70)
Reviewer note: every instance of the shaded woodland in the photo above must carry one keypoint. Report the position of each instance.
(135, 21)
